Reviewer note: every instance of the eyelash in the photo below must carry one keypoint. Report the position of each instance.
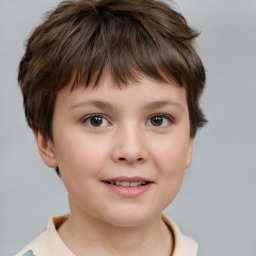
(162, 116)
(89, 119)
(103, 118)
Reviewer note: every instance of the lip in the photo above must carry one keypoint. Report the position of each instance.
(129, 179)
(128, 192)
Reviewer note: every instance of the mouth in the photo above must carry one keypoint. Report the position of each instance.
(127, 183)
(128, 187)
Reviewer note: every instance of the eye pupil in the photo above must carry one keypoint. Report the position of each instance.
(157, 120)
(96, 121)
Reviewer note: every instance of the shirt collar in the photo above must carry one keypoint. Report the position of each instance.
(183, 245)
(54, 242)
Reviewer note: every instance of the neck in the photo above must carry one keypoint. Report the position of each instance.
(87, 235)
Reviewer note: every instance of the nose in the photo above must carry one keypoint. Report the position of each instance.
(129, 146)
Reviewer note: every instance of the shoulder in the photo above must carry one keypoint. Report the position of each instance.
(36, 245)
(48, 243)
(184, 245)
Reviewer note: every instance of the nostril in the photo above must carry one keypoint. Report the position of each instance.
(124, 159)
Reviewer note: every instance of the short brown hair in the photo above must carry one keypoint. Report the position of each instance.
(80, 39)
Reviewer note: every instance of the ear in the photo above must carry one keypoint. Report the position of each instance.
(46, 149)
(190, 153)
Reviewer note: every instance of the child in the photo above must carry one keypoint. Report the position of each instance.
(111, 91)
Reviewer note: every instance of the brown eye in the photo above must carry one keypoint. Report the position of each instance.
(159, 120)
(156, 120)
(96, 121)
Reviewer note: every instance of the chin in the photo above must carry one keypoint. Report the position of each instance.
(129, 218)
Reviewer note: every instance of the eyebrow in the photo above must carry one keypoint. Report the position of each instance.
(94, 103)
(162, 103)
(107, 105)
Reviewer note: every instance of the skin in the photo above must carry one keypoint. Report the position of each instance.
(128, 142)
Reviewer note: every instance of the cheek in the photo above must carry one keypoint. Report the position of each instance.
(171, 170)
(170, 161)
(171, 156)
(80, 166)
(80, 159)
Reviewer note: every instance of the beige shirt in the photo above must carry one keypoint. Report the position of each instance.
(49, 242)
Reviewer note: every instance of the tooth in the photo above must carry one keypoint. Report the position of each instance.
(125, 183)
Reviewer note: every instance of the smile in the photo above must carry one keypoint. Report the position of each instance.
(128, 184)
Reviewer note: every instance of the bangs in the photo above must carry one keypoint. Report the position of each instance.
(126, 44)
(81, 40)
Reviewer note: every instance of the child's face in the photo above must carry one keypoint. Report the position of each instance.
(139, 133)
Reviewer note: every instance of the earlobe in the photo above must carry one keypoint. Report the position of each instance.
(46, 149)
(190, 153)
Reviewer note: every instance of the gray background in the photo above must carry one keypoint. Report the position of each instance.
(216, 205)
